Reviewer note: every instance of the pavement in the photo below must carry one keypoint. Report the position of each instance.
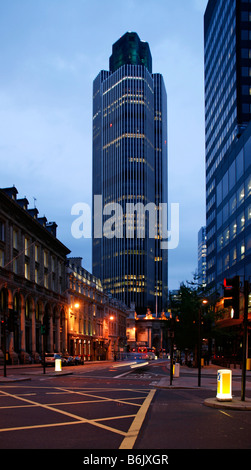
(186, 379)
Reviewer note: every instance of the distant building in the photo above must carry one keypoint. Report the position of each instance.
(148, 331)
(202, 256)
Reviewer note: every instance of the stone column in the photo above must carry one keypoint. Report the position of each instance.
(50, 334)
(33, 332)
(57, 334)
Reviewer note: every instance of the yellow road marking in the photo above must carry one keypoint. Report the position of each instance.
(133, 432)
(116, 400)
(71, 423)
(224, 413)
(78, 419)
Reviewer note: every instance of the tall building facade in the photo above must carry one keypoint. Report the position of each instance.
(130, 167)
(227, 51)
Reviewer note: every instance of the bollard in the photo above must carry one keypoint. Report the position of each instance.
(58, 365)
(177, 370)
(224, 385)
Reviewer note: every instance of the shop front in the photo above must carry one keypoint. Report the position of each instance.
(89, 348)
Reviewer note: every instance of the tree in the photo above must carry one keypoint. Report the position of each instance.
(186, 308)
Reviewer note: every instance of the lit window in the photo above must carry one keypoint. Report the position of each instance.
(15, 239)
(36, 253)
(46, 282)
(27, 271)
(26, 246)
(46, 259)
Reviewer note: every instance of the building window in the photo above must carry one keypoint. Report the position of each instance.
(1, 258)
(27, 270)
(248, 186)
(241, 250)
(248, 214)
(1, 231)
(36, 276)
(36, 253)
(241, 222)
(15, 239)
(46, 281)
(26, 246)
(240, 195)
(233, 230)
(46, 259)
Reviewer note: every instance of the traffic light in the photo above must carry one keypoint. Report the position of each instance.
(232, 295)
(45, 327)
(43, 330)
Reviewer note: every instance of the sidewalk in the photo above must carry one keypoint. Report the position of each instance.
(188, 379)
(22, 372)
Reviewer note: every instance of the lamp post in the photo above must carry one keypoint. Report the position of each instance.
(171, 336)
(3, 323)
(245, 333)
(204, 302)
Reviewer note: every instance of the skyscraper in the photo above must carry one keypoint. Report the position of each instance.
(227, 48)
(130, 167)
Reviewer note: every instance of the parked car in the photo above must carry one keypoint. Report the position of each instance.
(78, 360)
(69, 361)
(51, 357)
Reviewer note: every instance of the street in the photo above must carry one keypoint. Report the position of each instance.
(115, 407)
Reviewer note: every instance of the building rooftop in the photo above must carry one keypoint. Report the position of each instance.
(130, 50)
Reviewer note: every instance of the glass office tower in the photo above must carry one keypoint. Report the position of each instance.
(227, 50)
(130, 167)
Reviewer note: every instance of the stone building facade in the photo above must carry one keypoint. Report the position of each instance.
(32, 280)
(97, 321)
(40, 287)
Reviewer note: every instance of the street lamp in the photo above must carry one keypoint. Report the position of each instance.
(203, 303)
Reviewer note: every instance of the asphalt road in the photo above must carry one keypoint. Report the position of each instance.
(106, 409)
